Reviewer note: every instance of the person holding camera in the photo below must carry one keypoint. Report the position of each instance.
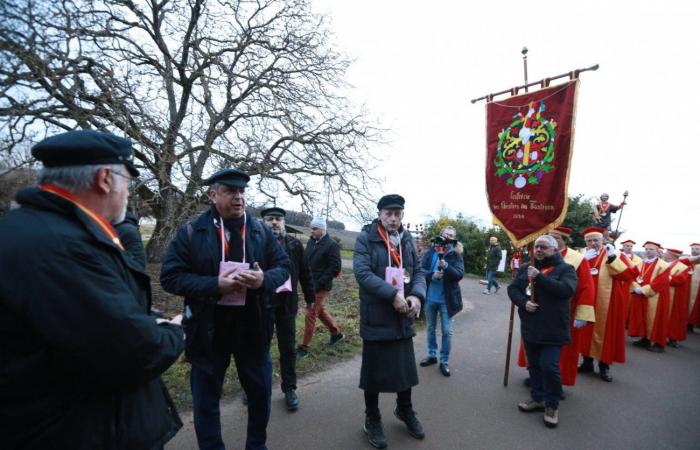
(444, 268)
(392, 286)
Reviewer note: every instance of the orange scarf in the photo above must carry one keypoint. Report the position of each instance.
(395, 257)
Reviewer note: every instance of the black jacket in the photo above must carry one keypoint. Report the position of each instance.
(80, 357)
(130, 236)
(288, 302)
(493, 257)
(553, 292)
(379, 321)
(323, 258)
(451, 276)
(191, 268)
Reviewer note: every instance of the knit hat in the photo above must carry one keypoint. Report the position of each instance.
(318, 222)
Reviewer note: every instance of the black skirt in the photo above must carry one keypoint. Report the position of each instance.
(388, 366)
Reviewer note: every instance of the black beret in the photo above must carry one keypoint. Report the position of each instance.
(391, 201)
(83, 147)
(229, 177)
(273, 211)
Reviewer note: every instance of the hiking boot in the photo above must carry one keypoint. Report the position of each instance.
(643, 342)
(302, 352)
(335, 339)
(531, 405)
(604, 373)
(291, 399)
(375, 432)
(408, 416)
(428, 361)
(586, 366)
(551, 417)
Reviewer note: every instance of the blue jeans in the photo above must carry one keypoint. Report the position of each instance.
(207, 388)
(545, 376)
(431, 312)
(491, 278)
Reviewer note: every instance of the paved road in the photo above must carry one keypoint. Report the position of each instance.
(653, 402)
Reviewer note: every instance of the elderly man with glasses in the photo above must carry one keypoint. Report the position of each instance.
(542, 292)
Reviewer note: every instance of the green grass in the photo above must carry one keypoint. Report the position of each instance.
(343, 305)
(346, 253)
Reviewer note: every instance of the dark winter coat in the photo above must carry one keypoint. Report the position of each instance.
(553, 292)
(493, 257)
(191, 268)
(288, 302)
(379, 321)
(451, 276)
(129, 234)
(80, 358)
(323, 258)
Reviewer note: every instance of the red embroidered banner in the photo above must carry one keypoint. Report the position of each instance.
(528, 155)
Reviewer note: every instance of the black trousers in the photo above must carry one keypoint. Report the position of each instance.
(285, 327)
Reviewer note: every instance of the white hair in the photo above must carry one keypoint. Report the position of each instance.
(76, 178)
(550, 240)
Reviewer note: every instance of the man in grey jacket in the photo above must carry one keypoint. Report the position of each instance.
(493, 257)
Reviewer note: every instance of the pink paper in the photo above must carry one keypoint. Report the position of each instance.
(236, 298)
(394, 276)
(286, 287)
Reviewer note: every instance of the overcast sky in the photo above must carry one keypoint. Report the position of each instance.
(417, 65)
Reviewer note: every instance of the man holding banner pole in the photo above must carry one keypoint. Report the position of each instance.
(542, 292)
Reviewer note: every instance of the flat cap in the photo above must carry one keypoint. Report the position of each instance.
(85, 147)
(391, 201)
(273, 211)
(229, 177)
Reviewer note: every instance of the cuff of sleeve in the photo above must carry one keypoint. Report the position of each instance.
(585, 312)
(648, 291)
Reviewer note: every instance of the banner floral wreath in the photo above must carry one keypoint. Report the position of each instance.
(525, 150)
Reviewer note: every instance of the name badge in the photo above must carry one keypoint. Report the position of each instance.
(528, 291)
(594, 271)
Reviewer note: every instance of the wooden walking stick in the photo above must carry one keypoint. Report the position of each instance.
(531, 250)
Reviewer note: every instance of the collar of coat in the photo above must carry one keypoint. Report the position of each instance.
(550, 261)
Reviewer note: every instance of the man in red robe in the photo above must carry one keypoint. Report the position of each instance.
(679, 293)
(582, 307)
(650, 301)
(628, 252)
(612, 274)
(694, 294)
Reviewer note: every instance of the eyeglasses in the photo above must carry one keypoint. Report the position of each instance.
(133, 182)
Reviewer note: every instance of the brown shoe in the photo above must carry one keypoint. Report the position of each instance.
(551, 417)
(531, 405)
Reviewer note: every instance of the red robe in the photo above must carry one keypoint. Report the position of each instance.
(581, 309)
(693, 294)
(679, 294)
(649, 310)
(605, 340)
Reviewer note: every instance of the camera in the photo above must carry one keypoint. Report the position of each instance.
(440, 244)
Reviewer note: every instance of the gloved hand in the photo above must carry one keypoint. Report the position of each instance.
(590, 253)
(638, 291)
(579, 323)
(610, 249)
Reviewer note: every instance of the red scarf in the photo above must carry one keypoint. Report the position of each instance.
(101, 222)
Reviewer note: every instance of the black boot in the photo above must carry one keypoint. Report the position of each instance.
(375, 431)
(586, 366)
(408, 416)
(643, 342)
(604, 372)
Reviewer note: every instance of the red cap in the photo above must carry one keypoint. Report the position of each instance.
(695, 245)
(673, 251)
(651, 243)
(629, 241)
(593, 231)
(564, 231)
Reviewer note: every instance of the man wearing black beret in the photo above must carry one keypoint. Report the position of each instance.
(81, 356)
(227, 266)
(392, 286)
(286, 301)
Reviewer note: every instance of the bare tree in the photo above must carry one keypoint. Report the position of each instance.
(197, 85)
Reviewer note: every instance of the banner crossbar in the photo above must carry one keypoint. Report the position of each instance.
(543, 82)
